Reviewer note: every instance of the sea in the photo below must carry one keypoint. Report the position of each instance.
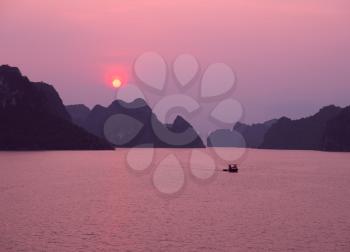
(164, 200)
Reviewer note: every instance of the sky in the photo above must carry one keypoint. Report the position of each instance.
(290, 57)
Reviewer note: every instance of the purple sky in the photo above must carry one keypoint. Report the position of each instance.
(291, 57)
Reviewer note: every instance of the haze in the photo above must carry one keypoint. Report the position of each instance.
(291, 57)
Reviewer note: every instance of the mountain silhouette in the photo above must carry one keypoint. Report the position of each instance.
(253, 135)
(337, 133)
(304, 134)
(226, 138)
(134, 124)
(78, 113)
(327, 130)
(33, 117)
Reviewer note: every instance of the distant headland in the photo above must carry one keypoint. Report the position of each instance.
(33, 117)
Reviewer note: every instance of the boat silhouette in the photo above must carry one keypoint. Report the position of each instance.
(233, 168)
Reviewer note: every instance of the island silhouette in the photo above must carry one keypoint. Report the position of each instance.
(33, 117)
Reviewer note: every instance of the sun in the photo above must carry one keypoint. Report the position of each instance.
(116, 83)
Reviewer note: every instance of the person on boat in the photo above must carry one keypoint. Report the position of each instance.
(232, 168)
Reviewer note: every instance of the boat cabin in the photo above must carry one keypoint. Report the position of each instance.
(232, 168)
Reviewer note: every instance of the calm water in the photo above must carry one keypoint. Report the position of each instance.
(90, 201)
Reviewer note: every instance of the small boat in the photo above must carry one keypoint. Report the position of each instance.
(233, 168)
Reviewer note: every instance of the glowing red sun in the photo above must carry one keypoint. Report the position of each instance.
(115, 76)
(116, 83)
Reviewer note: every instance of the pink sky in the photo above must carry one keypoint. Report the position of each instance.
(291, 57)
